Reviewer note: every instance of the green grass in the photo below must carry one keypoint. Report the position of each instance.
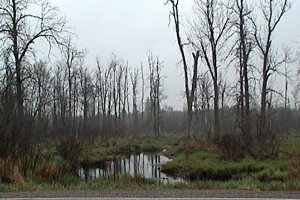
(246, 184)
(123, 182)
(127, 182)
(198, 160)
(72, 183)
(207, 168)
(208, 165)
(106, 150)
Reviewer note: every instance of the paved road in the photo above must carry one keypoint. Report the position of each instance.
(147, 198)
(151, 193)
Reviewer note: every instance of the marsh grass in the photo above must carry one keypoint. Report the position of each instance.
(98, 150)
(127, 182)
(199, 161)
(70, 182)
(208, 165)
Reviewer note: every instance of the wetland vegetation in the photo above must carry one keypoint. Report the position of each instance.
(164, 163)
(69, 123)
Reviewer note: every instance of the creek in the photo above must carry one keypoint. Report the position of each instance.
(143, 165)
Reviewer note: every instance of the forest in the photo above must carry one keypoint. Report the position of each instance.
(62, 120)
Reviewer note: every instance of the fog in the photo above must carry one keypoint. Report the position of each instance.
(131, 28)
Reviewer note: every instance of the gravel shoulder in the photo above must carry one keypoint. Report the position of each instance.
(167, 193)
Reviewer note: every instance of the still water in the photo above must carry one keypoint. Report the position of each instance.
(145, 165)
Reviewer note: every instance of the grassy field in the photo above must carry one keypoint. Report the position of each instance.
(204, 164)
(199, 161)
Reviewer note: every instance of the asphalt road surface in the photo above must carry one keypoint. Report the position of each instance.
(146, 198)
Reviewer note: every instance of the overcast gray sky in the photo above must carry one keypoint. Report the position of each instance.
(130, 28)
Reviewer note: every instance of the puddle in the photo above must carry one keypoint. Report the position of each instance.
(145, 165)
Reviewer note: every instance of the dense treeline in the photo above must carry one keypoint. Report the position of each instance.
(40, 99)
(236, 36)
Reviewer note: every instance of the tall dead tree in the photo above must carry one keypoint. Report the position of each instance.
(114, 64)
(121, 74)
(15, 30)
(211, 32)
(155, 95)
(59, 99)
(288, 59)
(204, 99)
(72, 58)
(41, 81)
(134, 81)
(86, 91)
(125, 98)
(142, 98)
(243, 50)
(103, 76)
(189, 93)
(21, 27)
(265, 27)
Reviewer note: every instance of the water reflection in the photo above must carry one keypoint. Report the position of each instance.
(146, 165)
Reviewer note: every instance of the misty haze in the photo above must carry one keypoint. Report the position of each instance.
(170, 97)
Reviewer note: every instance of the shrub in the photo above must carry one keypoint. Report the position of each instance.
(70, 149)
(230, 146)
(294, 167)
(51, 172)
(12, 174)
(271, 174)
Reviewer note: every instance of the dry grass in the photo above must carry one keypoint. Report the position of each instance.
(11, 172)
(50, 172)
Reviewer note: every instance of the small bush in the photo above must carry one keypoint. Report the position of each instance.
(70, 149)
(230, 146)
(188, 146)
(294, 167)
(69, 180)
(12, 174)
(268, 141)
(270, 175)
(51, 172)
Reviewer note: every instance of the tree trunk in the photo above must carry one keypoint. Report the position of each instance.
(216, 111)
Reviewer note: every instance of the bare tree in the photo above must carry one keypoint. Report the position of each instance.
(287, 61)
(295, 93)
(244, 48)
(71, 58)
(204, 96)
(20, 28)
(42, 80)
(59, 98)
(125, 99)
(115, 70)
(211, 31)
(189, 93)
(86, 90)
(18, 36)
(103, 76)
(142, 98)
(272, 13)
(134, 81)
(120, 85)
(156, 93)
